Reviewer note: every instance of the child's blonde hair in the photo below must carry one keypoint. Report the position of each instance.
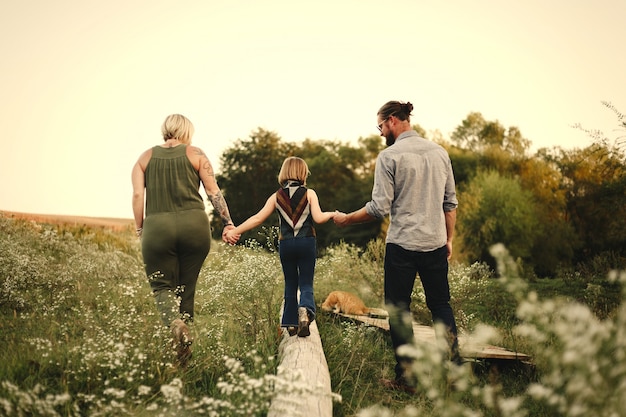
(293, 168)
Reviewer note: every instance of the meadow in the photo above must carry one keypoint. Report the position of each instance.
(80, 335)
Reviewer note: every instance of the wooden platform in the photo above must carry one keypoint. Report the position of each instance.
(468, 348)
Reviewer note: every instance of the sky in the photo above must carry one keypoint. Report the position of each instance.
(86, 84)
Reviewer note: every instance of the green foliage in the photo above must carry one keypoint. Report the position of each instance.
(249, 271)
(85, 339)
(557, 241)
(349, 268)
(580, 363)
(594, 179)
(341, 175)
(484, 146)
(496, 209)
(479, 135)
(594, 184)
(465, 163)
(356, 356)
(250, 175)
(580, 357)
(81, 335)
(476, 297)
(576, 193)
(577, 196)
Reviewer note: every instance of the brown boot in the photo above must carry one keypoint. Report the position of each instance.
(303, 322)
(182, 340)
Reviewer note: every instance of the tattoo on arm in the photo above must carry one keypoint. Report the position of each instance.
(216, 199)
(219, 204)
(206, 166)
(204, 161)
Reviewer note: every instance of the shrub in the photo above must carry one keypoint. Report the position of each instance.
(581, 361)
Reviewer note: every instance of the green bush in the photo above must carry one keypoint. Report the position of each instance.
(497, 210)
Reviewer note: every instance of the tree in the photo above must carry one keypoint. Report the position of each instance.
(557, 241)
(594, 179)
(250, 174)
(479, 135)
(495, 209)
(481, 145)
(465, 164)
(619, 143)
(341, 175)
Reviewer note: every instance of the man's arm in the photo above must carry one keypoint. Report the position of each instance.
(359, 216)
(450, 222)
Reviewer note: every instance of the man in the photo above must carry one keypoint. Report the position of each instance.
(414, 183)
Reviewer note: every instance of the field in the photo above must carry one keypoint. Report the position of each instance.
(75, 221)
(80, 334)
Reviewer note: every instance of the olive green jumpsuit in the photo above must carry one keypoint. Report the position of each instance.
(175, 239)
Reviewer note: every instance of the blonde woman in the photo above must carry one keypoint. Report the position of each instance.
(174, 227)
(298, 208)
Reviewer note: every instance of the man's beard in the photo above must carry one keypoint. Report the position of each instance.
(390, 139)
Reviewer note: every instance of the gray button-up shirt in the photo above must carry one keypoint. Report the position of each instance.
(414, 183)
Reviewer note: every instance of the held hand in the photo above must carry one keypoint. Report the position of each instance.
(340, 219)
(228, 236)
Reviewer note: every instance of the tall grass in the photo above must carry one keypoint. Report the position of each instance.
(81, 336)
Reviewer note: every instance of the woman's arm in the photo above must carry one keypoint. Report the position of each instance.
(207, 176)
(139, 189)
(318, 215)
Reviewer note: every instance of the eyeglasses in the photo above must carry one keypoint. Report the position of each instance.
(380, 125)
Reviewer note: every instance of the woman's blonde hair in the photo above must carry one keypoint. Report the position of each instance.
(293, 168)
(177, 126)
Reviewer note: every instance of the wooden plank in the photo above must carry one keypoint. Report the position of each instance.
(468, 348)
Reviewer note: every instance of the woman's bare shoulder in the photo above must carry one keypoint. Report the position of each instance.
(195, 151)
(144, 158)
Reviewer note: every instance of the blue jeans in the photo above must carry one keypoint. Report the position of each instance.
(297, 257)
(401, 267)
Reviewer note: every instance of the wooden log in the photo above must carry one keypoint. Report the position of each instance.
(304, 355)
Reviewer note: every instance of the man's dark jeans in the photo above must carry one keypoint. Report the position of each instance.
(401, 268)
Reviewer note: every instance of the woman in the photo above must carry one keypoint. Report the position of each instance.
(297, 207)
(175, 233)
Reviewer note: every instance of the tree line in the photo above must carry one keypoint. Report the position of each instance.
(552, 209)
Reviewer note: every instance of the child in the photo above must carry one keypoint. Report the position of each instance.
(297, 207)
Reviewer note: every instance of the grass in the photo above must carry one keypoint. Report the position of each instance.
(81, 336)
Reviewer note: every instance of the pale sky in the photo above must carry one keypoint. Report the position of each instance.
(86, 84)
